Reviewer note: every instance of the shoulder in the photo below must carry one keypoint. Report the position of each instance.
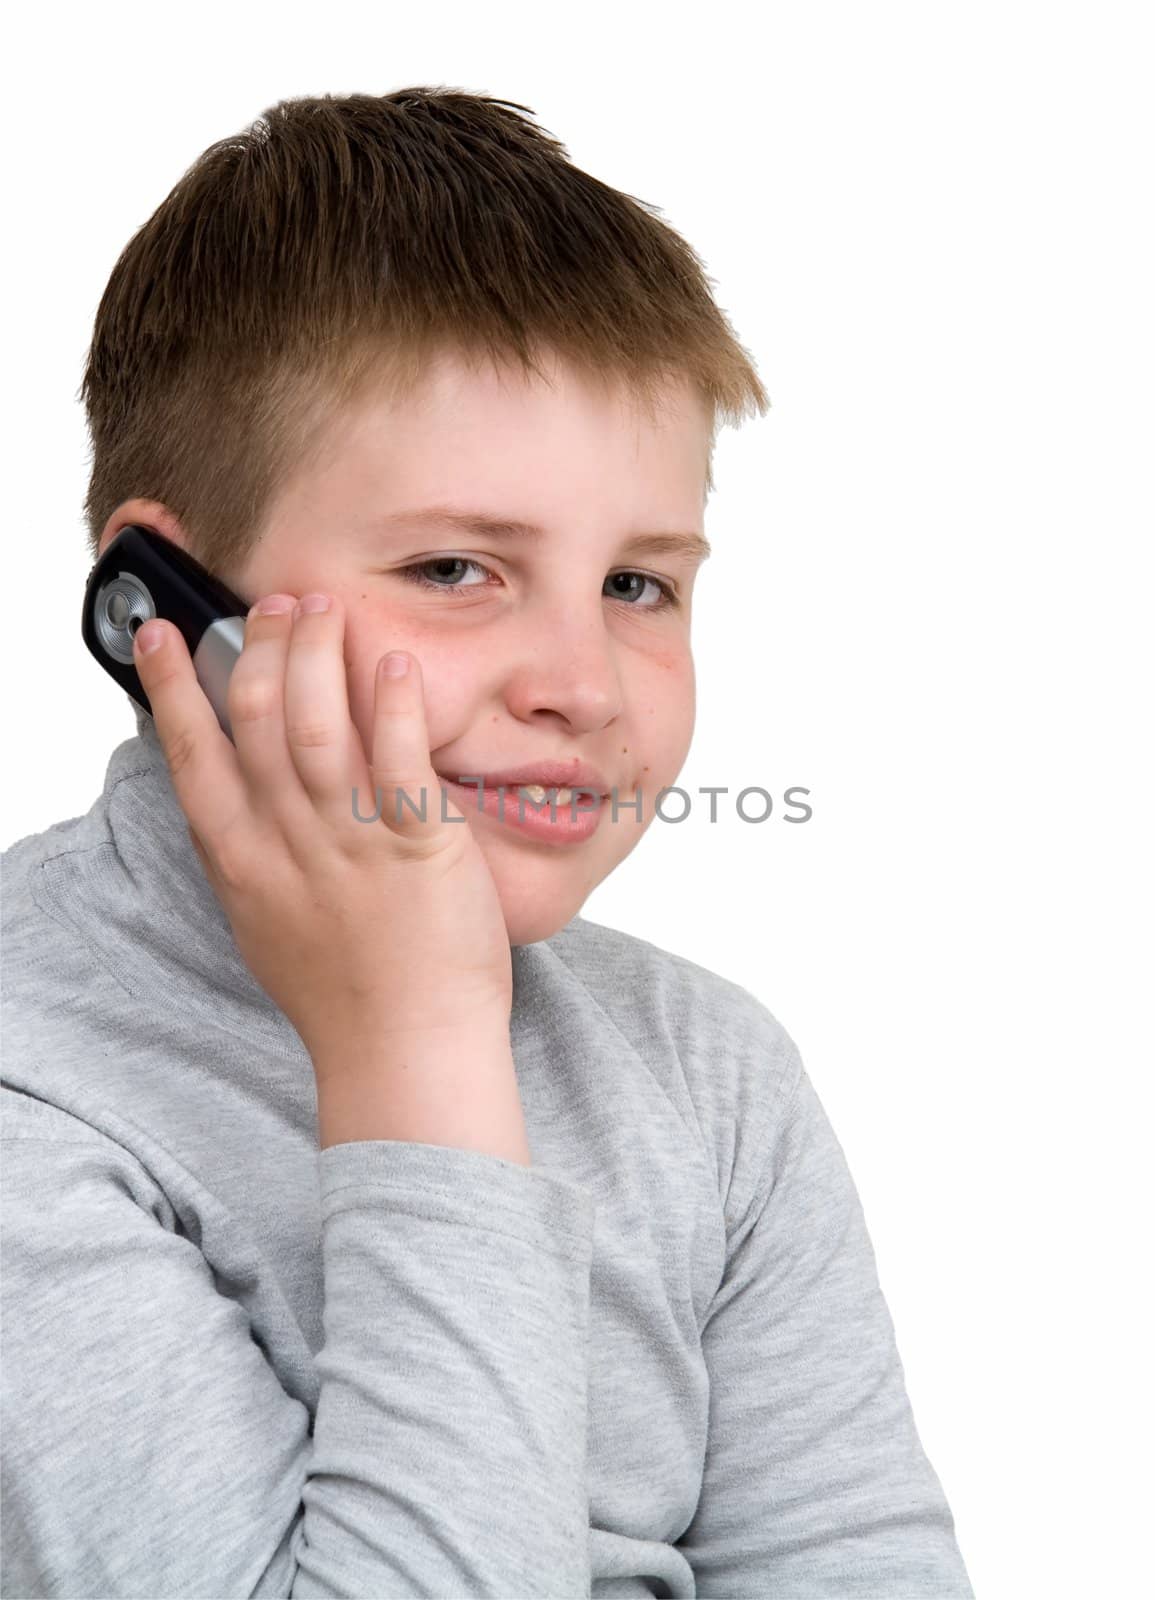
(633, 978)
(26, 864)
(27, 1116)
(58, 1156)
(27, 867)
(712, 1043)
(48, 969)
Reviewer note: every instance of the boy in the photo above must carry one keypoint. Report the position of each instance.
(374, 1224)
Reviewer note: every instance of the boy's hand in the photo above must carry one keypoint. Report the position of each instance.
(361, 932)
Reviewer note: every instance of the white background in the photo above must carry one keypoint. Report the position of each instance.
(929, 604)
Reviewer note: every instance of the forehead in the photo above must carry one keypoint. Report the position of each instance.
(474, 430)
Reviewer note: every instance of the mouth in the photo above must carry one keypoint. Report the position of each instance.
(539, 793)
(553, 814)
(560, 781)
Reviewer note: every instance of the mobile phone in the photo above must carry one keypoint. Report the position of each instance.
(143, 575)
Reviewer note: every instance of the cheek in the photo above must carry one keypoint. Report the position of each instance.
(665, 709)
(369, 635)
(672, 688)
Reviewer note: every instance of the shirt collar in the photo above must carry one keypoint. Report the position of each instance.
(139, 894)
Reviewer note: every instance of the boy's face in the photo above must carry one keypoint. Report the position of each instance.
(527, 652)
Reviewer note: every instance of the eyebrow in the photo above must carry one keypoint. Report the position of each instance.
(693, 546)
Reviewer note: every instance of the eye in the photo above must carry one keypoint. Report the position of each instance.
(443, 582)
(666, 590)
(416, 573)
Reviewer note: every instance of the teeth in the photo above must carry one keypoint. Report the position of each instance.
(537, 793)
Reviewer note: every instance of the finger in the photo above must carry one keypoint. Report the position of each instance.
(323, 744)
(257, 712)
(206, 861)
(202, 763)
(404, 781)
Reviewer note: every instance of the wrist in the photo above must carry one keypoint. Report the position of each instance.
(445, 1086)
(361, 1036)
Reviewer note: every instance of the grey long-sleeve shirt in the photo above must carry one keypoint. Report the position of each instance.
(657, 1362)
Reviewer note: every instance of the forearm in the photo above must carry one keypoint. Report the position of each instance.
(430, 1086)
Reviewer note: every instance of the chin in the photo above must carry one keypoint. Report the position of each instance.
(529, 927)
(530, 917)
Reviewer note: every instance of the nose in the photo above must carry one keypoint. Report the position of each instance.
(565, 665)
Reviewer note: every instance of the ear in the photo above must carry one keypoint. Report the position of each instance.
(151, 514)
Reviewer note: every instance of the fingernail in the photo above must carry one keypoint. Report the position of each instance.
(149, 637)
(272, 604)
(395, 664)
(313, 602)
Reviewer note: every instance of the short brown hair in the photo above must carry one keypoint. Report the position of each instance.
(336, 244)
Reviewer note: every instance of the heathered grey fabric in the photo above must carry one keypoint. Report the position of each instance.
(657, 1362)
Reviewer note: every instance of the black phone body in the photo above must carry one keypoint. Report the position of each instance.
(143, 575)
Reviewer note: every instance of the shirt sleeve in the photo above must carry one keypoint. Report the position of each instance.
(148, 1447)
(816, 1485)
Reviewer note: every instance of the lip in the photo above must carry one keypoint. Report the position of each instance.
(556, 824)
(573, 774)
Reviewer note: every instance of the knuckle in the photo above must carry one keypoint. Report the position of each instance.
(234, 860)
(163, 671)
(404, 798)
(179, 749)
(251, 696)
(426, 846)
(194, 840)
(310, 735)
